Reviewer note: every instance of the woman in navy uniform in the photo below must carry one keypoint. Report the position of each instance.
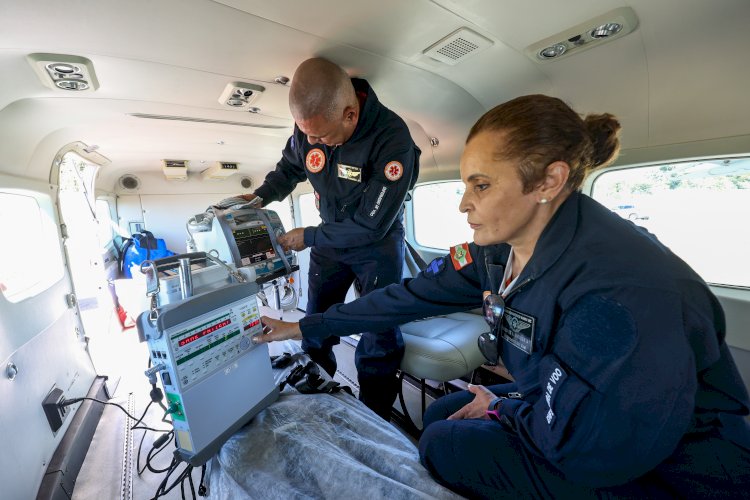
(623, 386)
(361, 160)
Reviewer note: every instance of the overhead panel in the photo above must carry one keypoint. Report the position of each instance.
(592, 33)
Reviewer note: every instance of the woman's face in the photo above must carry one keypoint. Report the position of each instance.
(497, 209)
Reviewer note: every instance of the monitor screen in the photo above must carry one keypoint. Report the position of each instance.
(253, 244)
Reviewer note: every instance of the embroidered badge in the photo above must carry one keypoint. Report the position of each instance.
(378, 201)
(518, 329)
(350, 173)
(460, 256)
(555, 380)
(315, 160)
(435, 267)
(393, 171)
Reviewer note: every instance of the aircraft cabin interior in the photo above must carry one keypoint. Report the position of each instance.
(130, 296)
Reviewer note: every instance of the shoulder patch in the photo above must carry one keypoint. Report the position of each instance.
(435, 267)
(394, 170)
(315, 160)
(460, 256)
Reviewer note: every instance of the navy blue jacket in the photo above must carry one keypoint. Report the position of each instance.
(626, 349)
(361, 185)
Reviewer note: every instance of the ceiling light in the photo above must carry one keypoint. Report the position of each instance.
(606, 30)
(64, 68)
(592, 33)
(555, 50)
(64, 72)
(240, 95)
(70, 84)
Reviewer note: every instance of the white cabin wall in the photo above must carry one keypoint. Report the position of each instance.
(43, 337)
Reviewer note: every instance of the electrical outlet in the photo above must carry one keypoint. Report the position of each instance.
(55, 413)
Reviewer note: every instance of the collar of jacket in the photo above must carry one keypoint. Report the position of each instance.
(553, 242)
(368, 113)
(556, 237)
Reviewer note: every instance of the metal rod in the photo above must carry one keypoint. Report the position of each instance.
(186, 278)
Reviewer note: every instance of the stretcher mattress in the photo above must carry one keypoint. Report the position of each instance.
(328, 446)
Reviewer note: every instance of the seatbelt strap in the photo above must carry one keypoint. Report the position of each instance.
(417, 258)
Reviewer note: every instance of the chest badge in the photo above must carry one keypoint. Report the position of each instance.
(350, 173)
(394, 170)
(517, 329)
(315, 160)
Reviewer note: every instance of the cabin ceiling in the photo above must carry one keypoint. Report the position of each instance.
(175, 57)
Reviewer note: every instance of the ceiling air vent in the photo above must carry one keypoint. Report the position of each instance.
(241, 95)
(175, 170)
(458, 46)
(219, 171)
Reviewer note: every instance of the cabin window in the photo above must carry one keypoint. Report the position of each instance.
(106, 224)
(309, 213)
(284, 209)
(30, 257)
(698, 209)
(437, 221)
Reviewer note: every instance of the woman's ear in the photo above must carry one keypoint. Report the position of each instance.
(555, 177)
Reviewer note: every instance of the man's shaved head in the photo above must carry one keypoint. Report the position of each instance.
(320, 88)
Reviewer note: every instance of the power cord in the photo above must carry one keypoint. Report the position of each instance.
(68, 402)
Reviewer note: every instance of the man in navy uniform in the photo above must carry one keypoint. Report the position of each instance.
(361, 160)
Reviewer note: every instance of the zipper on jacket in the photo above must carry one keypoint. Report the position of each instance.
(519, 286)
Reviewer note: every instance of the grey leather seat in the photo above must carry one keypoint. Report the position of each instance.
(443, 348)
(439, 348)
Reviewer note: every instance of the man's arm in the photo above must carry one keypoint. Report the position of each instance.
(289, 171)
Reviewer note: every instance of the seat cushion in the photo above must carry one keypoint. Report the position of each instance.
(443, 348)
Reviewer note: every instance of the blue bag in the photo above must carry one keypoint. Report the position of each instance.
(142, 246)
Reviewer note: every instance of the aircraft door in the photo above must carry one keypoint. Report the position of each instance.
(42, 343)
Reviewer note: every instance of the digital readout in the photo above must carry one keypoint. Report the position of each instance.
(250, 325)
(204, 332)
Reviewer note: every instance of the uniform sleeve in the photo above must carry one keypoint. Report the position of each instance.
(395, 170)
(282, 181)
(617, 391)
(441, 289)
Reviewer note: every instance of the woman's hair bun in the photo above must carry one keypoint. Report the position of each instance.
(604, 130)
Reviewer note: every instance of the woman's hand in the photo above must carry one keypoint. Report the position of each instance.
(478, 407)
(274, 329)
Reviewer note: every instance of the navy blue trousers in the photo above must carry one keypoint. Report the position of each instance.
(378, 354)
(484, 459)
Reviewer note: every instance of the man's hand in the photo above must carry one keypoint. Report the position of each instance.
(240, 199)
(274, 329)
(293, 240)
(478, 407)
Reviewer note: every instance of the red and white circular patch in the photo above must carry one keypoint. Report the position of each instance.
(394, 171)
(315, 160)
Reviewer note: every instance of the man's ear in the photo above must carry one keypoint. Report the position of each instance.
(351, 113)
(555, 177)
